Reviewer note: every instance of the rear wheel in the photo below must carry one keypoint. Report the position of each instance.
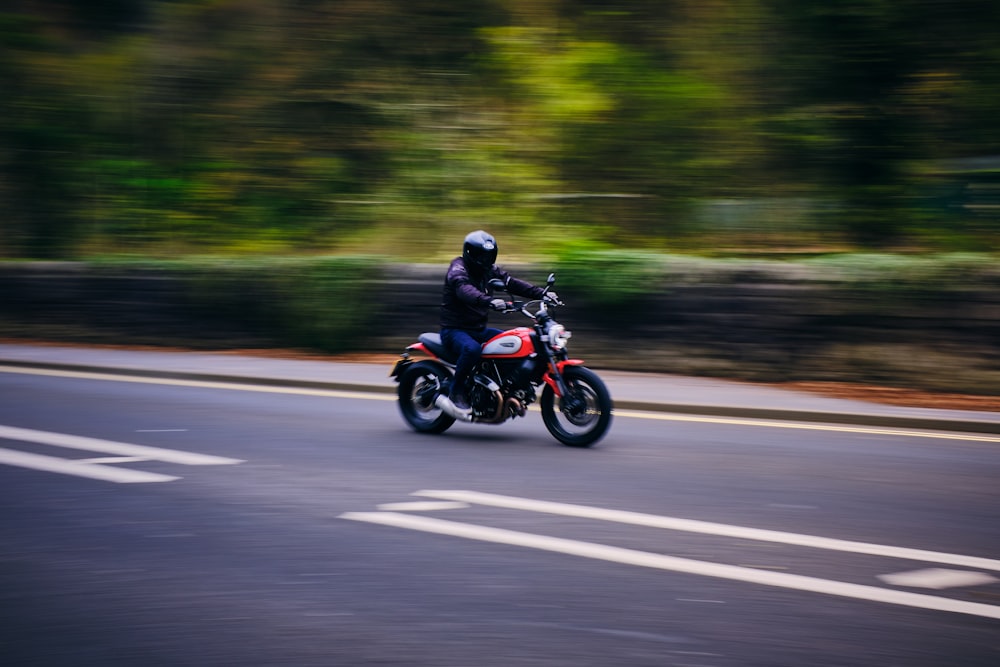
(583, 415)
(419, 387)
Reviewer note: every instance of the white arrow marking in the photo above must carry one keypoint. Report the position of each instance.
(115, 448)
(938, 578)
(672, 563)
(692, 526)
(79, 468)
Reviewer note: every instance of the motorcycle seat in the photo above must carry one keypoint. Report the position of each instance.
(432, 341)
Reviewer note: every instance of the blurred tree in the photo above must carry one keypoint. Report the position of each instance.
(851, 103)
(636, 135)
(37, 138)
(285, 126)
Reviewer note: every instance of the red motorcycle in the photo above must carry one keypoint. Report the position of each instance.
(575, 404)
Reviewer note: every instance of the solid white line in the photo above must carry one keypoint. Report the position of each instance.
(672, 563)
(79, 468)
(803, 426)
(204, 384)
(633, 414)
(693, 526)
(110, 447)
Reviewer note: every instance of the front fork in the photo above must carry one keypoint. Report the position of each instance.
(554, 377)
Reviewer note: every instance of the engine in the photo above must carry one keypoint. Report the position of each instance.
(496, 396)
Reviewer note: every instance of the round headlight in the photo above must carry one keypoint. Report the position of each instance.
(558, 336)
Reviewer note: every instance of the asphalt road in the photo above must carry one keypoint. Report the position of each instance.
(313, 528)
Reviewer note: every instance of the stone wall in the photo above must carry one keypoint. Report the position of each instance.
(764, 327)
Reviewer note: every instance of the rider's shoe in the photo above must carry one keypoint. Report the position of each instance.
(460, 402)
(448, 405)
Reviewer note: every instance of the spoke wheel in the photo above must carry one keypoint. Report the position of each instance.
(419, 387)
(583, 416)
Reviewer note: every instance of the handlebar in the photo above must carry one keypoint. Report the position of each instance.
(521, 306)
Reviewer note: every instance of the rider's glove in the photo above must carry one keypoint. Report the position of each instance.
(498, 304)
(552, 296)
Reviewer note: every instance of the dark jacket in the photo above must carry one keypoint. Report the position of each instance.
(467, 294)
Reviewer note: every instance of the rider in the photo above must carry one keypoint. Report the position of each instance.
(468, 297)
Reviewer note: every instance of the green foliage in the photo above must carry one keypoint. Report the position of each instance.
(624, 281)
(900, 275)
(246, 126)
(617, 281)
(326, 303)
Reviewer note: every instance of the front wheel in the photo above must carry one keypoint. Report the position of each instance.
(583, 415)
(419, 386)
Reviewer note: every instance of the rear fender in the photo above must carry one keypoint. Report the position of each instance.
(561, 365)
(425, 365)
(405, 361)
(420, 347)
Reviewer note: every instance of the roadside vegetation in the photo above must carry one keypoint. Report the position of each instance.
(773, 127)
(277, 156)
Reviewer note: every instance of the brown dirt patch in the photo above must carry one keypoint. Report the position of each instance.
(913, 398)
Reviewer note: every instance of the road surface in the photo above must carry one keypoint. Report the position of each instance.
(166, 523)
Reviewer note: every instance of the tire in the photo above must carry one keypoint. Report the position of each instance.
(584, 415)
(419, 386)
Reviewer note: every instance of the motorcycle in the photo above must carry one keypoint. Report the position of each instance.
(575, 404)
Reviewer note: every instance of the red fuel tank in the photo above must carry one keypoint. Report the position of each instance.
(510, 344)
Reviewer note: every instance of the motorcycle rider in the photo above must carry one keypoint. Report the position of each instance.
(467, 300)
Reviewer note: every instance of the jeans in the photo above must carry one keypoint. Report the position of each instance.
(467, 346)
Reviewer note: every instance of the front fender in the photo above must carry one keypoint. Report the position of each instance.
(560, 365)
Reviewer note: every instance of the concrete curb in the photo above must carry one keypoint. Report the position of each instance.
(732, 412)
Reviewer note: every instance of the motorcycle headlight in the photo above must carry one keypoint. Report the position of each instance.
(558, 336)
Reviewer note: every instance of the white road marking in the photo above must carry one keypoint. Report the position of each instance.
(111, 447)
(114, 459)
(939, 435)
(205, 384)
(672, 563)
(79, 468)
(422, 506)
(632, 414)
(693, 526)
(96, 467)
(938, 578)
